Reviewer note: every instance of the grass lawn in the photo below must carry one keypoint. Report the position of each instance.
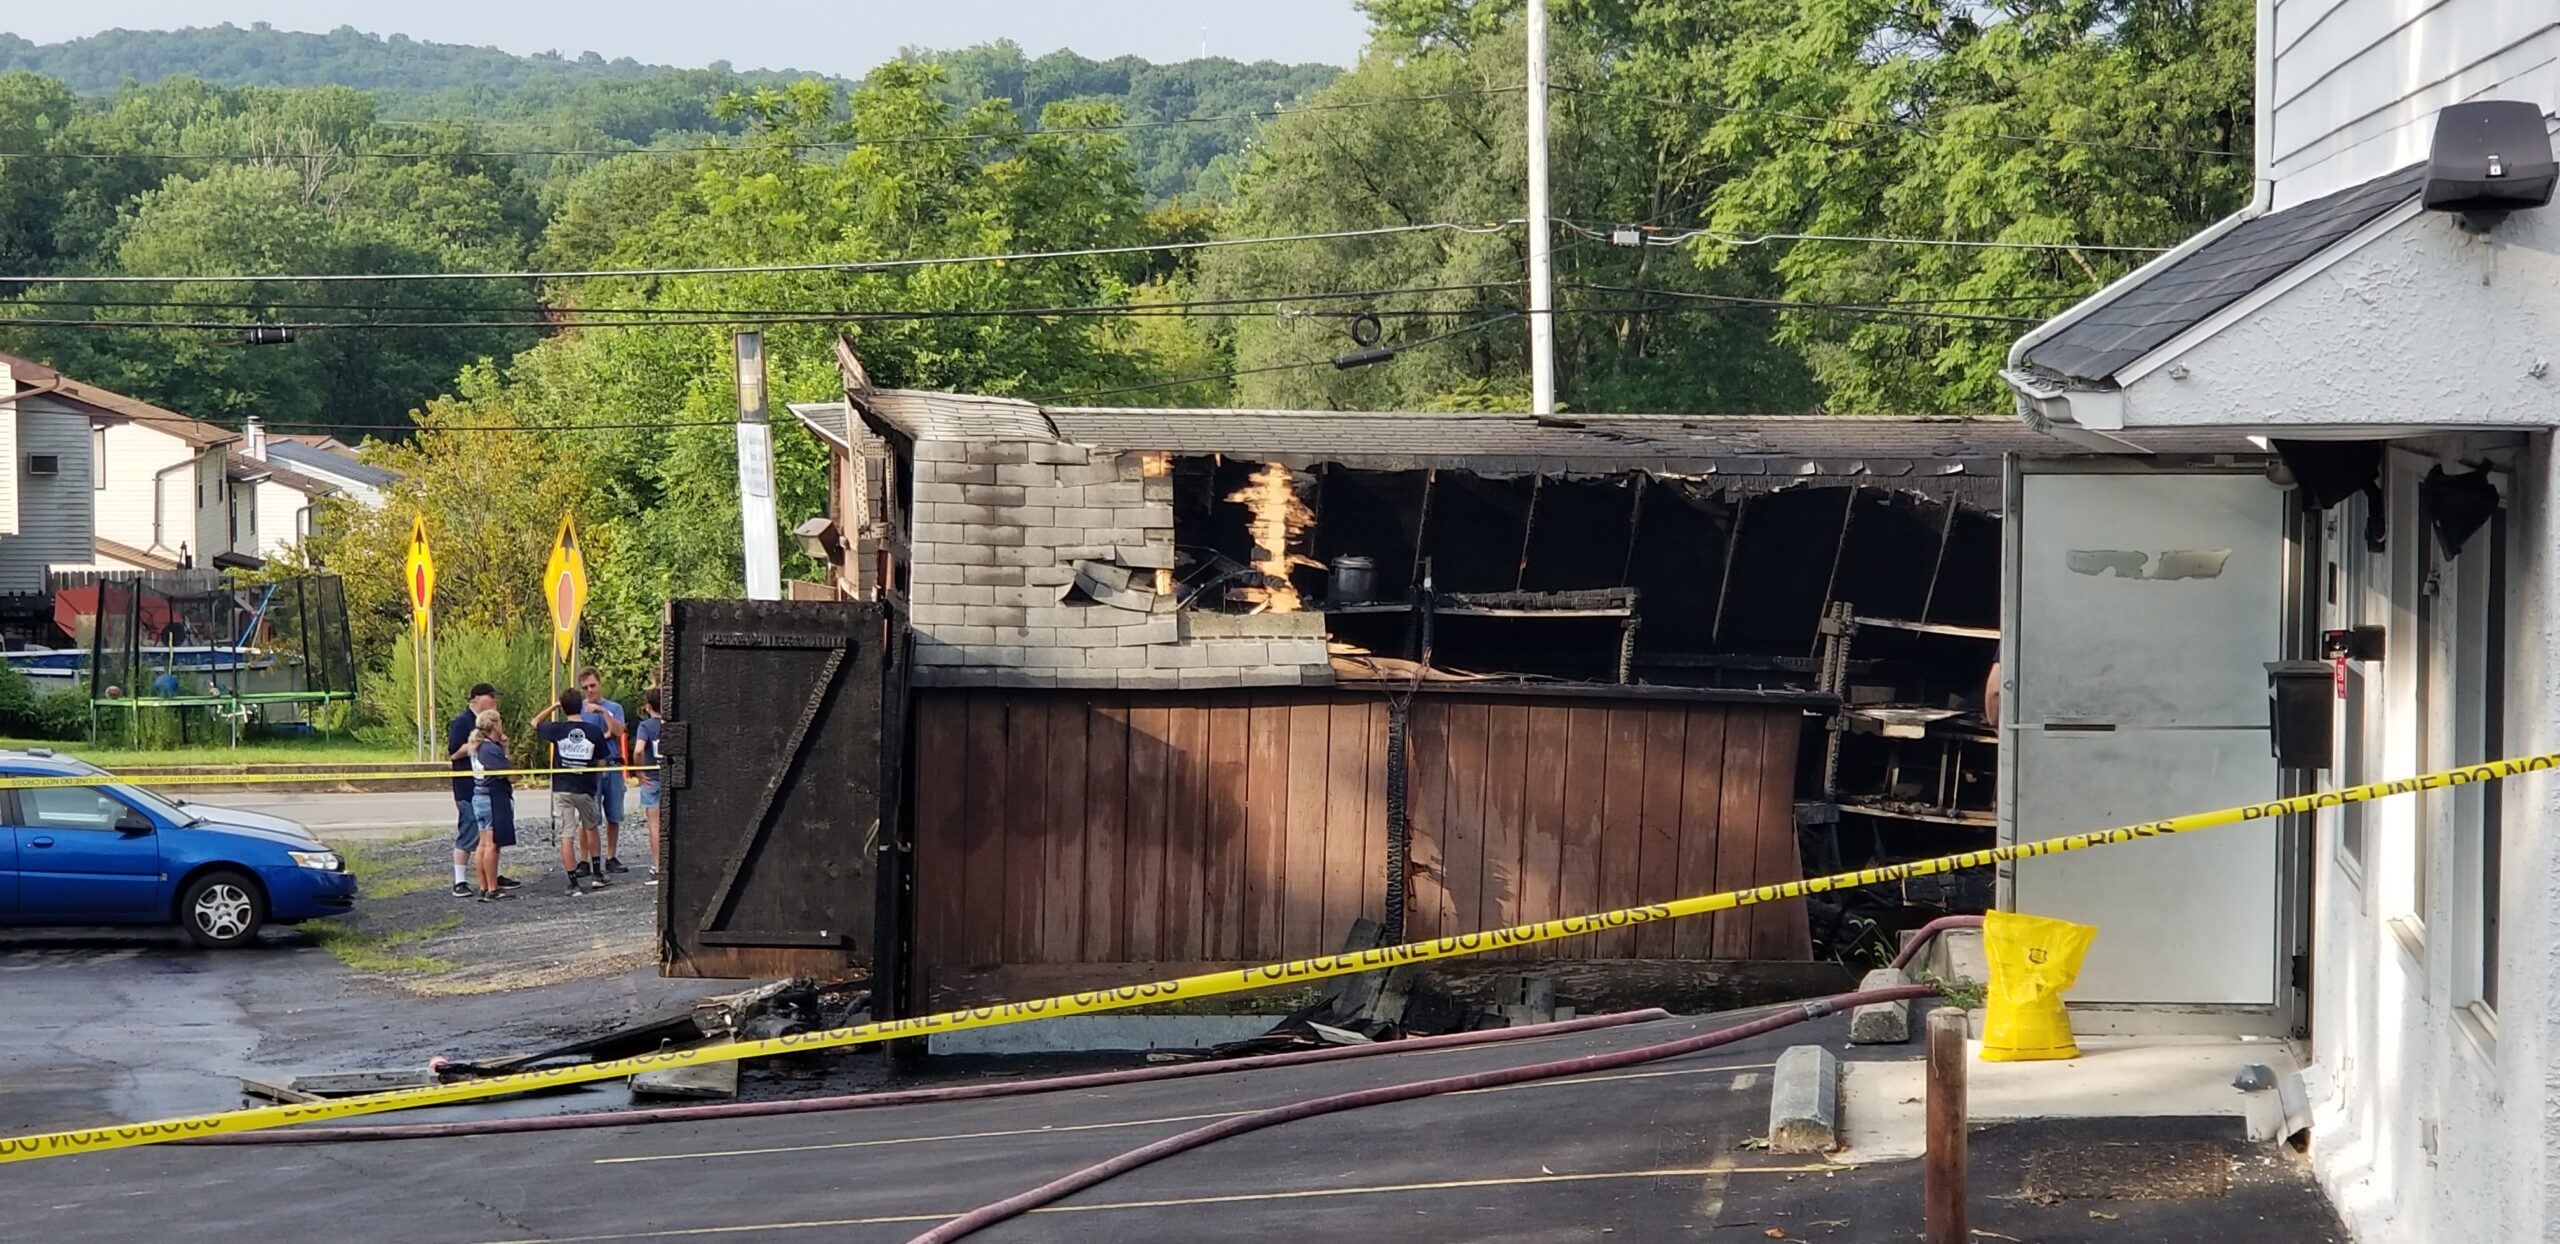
(314, 751)
(368, 951)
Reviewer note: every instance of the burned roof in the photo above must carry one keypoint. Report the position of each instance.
(1577, 444)
(2180, 295)
(925, 416)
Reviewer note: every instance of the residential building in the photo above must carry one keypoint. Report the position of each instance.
(323, 459)
(159, 487)
(45, 490)
(2399, 361)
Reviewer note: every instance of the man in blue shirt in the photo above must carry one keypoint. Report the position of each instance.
(577, 747)
(611, 791)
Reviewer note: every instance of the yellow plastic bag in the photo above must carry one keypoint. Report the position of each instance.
(2033, 960)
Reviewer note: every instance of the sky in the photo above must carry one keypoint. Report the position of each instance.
(844, 37)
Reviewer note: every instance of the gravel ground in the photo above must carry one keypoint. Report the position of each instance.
(410, 930)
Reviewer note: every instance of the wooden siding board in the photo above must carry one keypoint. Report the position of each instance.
(1025, 828)
(1310, 802)
(1266, 828)
(982, 837)
(1225, 859)
(1106, 810)
(942, 814)
(1737, 863)
(1186, 861)
(1427, 813)
(1373, 866)
(1464, 818)
(1582, 820)
(1666, 729)
(1778, 930)
(1150, 730)
(1062, 909)
(1701, 813)
(1542, 820)
(1350, 748)
(1622, 819)
(1506, 759)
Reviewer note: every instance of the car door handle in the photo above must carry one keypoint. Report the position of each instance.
(40, 842)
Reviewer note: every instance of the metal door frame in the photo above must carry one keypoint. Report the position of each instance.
(2290, 1014)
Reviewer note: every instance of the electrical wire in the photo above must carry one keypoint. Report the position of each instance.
(745, 143)
(1661, 237)
(1914, 127)
(1248, 300)
(1069, 398)
(869, 265)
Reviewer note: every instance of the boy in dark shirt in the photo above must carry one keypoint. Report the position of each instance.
(576, 744)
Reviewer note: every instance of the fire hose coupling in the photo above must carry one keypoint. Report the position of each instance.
(1817, 1008)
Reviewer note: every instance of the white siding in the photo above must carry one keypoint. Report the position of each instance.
(280, 520)
(2353, 86)
(135, 456)
(54, 527)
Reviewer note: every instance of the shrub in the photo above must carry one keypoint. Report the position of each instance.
(518, 665)
(63, 716)
(17, 702)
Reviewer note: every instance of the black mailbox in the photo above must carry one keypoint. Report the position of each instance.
(2302, 713)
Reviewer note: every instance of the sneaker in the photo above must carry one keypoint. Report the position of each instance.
(599, 881)
(496, 896)
(580, 870)
(574, 891)
(615, 866)
(509, 883)
(462, 889)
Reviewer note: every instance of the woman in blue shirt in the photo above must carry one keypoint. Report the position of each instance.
(492, 798)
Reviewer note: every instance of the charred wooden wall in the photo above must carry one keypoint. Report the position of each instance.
(1100, 828)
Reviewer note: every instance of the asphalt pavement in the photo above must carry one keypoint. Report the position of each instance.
(1658, 1152)
(372, 814)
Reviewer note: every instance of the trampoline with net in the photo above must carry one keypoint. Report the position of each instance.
(267, 654)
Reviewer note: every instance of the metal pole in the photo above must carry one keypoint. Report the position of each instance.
(1942, 1195)
(1542, 320)
(755, 474)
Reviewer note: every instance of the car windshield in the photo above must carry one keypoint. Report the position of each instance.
(155, 805)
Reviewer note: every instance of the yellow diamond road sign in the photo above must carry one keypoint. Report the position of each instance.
(420, 574)
(564, 582)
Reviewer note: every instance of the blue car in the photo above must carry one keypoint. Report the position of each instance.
(97, 851)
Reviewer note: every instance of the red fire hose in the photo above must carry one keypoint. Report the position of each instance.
(1058, 1189)
(1921, 937)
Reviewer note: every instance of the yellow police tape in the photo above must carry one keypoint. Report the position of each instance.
(421, 774)
(1239, 980)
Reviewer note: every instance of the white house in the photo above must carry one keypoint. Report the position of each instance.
(2400, 362)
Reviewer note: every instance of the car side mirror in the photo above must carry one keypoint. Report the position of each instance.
(134, 823)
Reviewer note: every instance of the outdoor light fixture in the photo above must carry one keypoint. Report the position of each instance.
(819, 539)
(2490, 157)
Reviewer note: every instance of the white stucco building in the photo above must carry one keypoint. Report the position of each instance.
(2406, 370)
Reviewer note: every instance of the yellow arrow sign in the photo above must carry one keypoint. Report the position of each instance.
(564, 582)
(420, 574)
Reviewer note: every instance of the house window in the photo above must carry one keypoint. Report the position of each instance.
(2355, 570)
(98, 459)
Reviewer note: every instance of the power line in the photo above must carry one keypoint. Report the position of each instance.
(1650, 236)
(1914, 127)
(850, 266)
(746, 142)
(1065, 398)
(1784, 304)
(954, 313)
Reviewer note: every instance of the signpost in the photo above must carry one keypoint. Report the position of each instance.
(564, 585)
(763, 542)
(419, 576)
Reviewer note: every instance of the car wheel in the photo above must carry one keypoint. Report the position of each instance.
(222, 910)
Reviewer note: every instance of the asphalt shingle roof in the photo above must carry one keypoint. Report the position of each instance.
(328, 462)
(2095, 347)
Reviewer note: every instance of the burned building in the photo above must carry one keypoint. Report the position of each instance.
(1197, 686)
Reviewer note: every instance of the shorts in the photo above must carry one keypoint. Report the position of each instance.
(648, 794)
(496, 815)
(466, 825)
(610, 793)
(571, 812)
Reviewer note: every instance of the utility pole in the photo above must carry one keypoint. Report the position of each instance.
(755, 474)
(1542, 275)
